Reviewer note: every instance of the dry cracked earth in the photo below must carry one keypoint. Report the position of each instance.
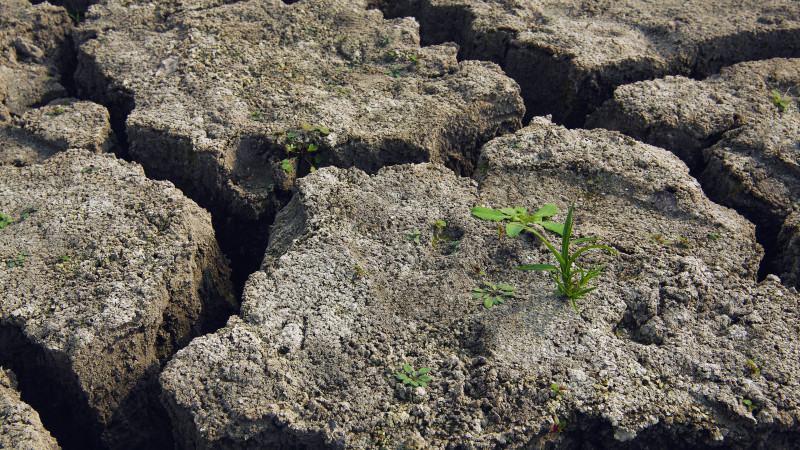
(240, 224)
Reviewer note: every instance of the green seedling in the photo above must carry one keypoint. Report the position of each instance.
(749, 403)
(394, 71)
(413, 377)
(76, 17)
(570, 277)
(286, 165)
(383, 40)
(359, 271)
(478, 271)
(753, 367)
(256, 115)
(440, 237)
(304, 143)
(89, 169)
(558, 388)
(28, 211)
(492, 294)
(781, 102)
(714, 236)
(17, 260)
(391, 54)
(414, 236)
(558, 425)
(55, 110)
(519, 218)
(415, 58)
(5, 220)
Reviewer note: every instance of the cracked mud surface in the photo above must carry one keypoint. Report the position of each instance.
(322, 141)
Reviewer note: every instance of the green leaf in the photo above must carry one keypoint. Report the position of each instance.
(305, 125)
(538, 267)
(477, 296)
(312, 147)
(488, 302)
(286, 165)
(409, 370)
(547, 210)
(511, 212)
(323, 131)
(401, 376)
(499, 299)
(408, 381)
(488, 214)
(554, 227)
(514, 228)
(505, 287)
(424, 370)
(317, 158)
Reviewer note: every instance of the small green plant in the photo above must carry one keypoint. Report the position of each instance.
(416, 58)
(439, 237)
(781, 102)
(753, 367)
(55, 110)
(89, 169)
(519, 218)
(359, 271)
(384, 41)
(394, 71)
(568, 275)
(256, 115)
(286, 165)
(76, 17)
(17, 260)
(27, 212)
(414, 236)
(304, 142)
(5, 220)
(749, 403)
(391, 54)
(558, 388)
(492, 294)
(413, 377)
(714, 236)
(558, 425)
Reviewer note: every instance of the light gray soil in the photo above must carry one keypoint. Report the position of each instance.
(346, 296)
(569, 56)
(322, 158)
(105, 273)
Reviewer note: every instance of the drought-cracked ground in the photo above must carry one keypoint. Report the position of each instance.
(233, 224)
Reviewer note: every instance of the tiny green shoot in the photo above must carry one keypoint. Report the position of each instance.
(5, 220)
(17, 260)
(492, 294)
(414, 236)
(753, 367)
(749, 403)
(286, 165)
(413, 377)
(781, 102)
(394, 71)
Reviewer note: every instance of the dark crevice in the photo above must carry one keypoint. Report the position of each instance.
(767, 237)
(47, 383)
